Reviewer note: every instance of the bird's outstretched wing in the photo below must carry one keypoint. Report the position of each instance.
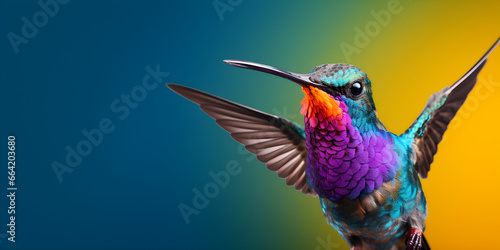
(276, 141)
(428, 129)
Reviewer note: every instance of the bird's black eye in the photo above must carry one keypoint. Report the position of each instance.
(356, 89)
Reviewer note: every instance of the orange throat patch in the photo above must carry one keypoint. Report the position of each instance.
(319, 105)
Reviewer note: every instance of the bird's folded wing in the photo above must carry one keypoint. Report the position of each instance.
(276, 141)
(428, 129)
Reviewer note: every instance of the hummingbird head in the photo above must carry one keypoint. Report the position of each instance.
(330, 90)
(346, 84)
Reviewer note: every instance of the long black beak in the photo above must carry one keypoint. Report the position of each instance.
(302, 79)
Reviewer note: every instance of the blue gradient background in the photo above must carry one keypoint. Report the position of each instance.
(125, 194)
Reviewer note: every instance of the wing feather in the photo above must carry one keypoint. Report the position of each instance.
(428, 129)
(276, 141)
(292, 162)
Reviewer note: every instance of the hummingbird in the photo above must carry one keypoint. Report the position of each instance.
(366, 178)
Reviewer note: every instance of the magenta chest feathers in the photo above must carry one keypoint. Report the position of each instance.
(342, 162)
